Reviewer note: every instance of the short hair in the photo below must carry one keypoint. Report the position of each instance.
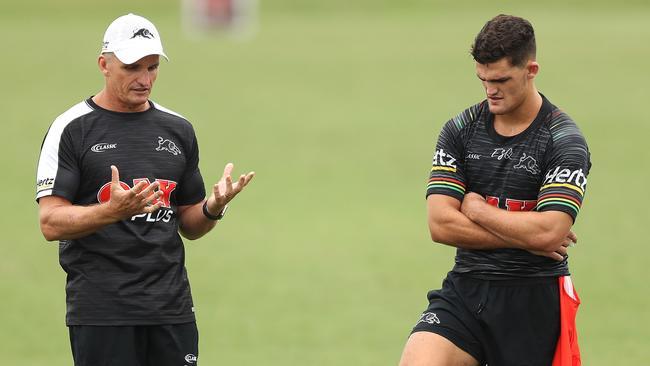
(505, 36)
(109, 56)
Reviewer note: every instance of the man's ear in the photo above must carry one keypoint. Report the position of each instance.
(102, 62)
(532, 69)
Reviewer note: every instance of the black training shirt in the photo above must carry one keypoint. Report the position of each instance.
(131, 272)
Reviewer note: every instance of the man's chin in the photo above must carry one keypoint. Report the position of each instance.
(136, 104)
(497, 110)
(138, 100)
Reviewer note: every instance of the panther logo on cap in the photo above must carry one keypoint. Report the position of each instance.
(142, 32)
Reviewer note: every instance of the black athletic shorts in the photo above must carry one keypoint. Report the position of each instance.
(150, 345)
(499, 322)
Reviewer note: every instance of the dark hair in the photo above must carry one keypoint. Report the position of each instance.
(505, 36)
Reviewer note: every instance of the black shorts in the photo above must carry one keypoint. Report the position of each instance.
(150, 345)
(498, 322)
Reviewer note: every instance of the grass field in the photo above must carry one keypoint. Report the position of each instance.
(325, 259)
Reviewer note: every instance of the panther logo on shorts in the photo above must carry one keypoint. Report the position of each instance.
(430, 318)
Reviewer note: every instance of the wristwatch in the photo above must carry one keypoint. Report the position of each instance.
(210, 216)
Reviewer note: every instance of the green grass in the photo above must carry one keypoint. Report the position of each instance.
(325, 259)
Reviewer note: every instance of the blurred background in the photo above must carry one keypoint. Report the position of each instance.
(325, 259)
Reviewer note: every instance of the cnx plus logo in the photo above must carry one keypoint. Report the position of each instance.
(559, 175)
(443, 159)
(165, 186)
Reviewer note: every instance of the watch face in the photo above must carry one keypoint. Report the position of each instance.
(222, 213)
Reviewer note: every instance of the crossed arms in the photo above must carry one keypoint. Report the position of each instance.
(474, 224)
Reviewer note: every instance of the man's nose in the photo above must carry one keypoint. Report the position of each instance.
(491, 90)
(144, 78)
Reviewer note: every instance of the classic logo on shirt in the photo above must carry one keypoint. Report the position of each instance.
(102, 146)
(443, 161)
(167, 145)
(528, 163)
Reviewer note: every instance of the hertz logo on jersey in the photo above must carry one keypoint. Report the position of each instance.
(45, 183)
(443, 161)
(574, 179)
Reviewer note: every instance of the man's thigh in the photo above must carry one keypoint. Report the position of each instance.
(447, 331)
(431, 349)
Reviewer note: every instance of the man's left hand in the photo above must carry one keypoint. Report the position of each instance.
(472, 205)
(225, 190)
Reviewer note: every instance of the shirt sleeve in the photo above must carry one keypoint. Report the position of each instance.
(58, 169)
(447, 172)
(565, 180)
(191, 189)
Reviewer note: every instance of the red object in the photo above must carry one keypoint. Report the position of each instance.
(567, 352)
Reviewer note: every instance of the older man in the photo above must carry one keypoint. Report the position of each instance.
(118, 179)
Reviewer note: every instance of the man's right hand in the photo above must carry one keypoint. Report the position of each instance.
(561, 253)
(61, 220)
(125, 203)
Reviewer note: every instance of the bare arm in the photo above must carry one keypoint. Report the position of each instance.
(193, 223)
(531, 230)
(448, 225)
(61, 220)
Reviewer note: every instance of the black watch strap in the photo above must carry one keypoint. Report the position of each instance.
(211, 216)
